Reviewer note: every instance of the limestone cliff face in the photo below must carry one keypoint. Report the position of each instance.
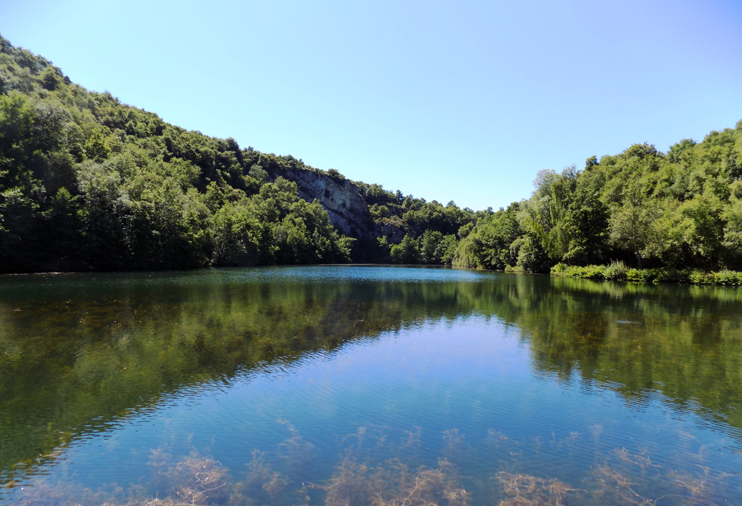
(346, 207)
(393, 231)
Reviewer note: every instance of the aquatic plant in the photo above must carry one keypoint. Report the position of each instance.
(295, 451)
(619, 477)
(394, 484)
(527, 490)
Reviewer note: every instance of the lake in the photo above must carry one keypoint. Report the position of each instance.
(367, 385)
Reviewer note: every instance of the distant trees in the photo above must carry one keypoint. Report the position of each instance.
(89, 183)
(426, 232)
(430, 248)
(679, 210)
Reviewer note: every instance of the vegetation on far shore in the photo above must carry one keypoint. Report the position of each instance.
(675, 212)
(618, 271)
(89, 183)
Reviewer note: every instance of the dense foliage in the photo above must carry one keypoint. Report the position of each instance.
(679, 210)
(89, 183)
(414, 231)
(618, 271)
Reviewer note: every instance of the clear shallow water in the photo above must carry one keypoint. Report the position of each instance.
(367, 385)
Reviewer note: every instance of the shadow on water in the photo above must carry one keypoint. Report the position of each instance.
(79, 353)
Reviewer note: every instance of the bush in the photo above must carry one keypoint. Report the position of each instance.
(618, 271)
(729, 278)
(559, 269)
(587, 272)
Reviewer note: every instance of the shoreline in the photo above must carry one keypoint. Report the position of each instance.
(616, 272)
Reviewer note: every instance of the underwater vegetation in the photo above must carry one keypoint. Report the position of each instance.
(381, 466)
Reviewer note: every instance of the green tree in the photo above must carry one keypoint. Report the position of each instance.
(96, 148)
(406, 252)
(632, 226)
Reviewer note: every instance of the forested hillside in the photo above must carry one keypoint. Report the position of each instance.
(89, 183)
(680, 210)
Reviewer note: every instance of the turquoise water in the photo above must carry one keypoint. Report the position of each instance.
(367, 385)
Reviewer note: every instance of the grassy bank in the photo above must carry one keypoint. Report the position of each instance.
(617, 271)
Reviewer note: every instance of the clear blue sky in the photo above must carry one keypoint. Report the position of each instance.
(462, 101)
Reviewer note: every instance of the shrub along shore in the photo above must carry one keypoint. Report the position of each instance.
(618, 271)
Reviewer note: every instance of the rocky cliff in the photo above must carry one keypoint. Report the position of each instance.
(346, 207)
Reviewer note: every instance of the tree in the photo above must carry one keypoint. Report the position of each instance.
(96, 148)
(586, 220)
(631, 226)
(406, 252)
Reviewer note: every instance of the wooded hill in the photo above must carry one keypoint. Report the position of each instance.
(89, 183)
(681, 210)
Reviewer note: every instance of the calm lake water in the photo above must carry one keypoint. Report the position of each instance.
(367, 385)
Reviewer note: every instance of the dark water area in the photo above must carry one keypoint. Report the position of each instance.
(367, 385)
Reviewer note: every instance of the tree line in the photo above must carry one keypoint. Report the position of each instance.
(643, 208)
(89, 183)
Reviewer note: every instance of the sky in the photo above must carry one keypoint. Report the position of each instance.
(462, 101)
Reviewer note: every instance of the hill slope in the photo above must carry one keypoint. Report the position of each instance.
(682, 209)
(89, 183)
